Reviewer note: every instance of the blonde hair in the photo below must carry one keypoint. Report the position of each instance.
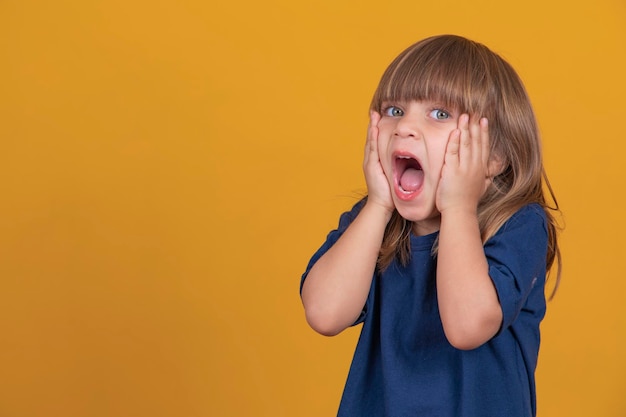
(467, 76)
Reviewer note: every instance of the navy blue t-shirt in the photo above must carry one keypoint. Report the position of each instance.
(404, 365)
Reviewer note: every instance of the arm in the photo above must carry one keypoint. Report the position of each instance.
(337, 286)
(468, 302)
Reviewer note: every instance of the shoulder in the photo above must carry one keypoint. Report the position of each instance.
(349, 216)
(523, 236)
(522, 240)
(528, 218)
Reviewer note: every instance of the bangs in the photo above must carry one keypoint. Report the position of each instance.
(450, 71)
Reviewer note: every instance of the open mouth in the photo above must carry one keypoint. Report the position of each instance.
(409, 174)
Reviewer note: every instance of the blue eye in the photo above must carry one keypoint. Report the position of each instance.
(439, 114)
(393, 111)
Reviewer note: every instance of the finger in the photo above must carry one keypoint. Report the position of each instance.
(368, 139)
(374, 118)
(371, 144)
(464, 148)
(484, 134)
(452, 156)
(476, 139)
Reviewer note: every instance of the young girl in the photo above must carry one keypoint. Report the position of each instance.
(444, 262)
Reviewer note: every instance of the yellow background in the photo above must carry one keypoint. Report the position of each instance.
(168, 167)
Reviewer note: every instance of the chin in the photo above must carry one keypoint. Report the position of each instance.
(428, 217)
(412, 215)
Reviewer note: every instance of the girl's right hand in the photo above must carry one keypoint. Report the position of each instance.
(378, 189)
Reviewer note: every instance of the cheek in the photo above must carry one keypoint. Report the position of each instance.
(436, 158)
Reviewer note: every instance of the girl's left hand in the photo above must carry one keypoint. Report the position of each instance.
(465, 173)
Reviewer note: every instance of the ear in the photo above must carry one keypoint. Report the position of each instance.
(496, 165)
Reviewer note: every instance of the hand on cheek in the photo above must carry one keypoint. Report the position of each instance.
(378, 189)
(465, 172)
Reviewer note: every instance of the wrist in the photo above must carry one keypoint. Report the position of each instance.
(460, 211)
(378, 209)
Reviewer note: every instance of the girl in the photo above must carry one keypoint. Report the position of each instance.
(444, 262)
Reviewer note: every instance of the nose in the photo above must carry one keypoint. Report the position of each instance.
(407, 127)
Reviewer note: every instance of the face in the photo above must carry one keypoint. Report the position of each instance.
(412, 143)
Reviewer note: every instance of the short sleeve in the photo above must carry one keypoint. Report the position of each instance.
(344, 221)
(516, 255)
